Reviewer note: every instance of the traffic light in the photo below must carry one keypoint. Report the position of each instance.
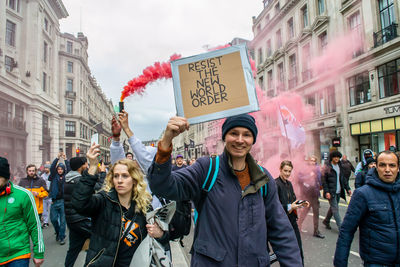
(77, 152)
(152, 144)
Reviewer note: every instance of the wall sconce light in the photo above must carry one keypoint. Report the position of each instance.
(372, 77)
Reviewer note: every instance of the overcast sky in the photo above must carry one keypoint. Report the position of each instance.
(126, 36)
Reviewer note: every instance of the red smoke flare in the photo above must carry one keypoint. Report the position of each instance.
(150, 74)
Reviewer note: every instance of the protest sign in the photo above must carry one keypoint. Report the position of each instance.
(214, 85)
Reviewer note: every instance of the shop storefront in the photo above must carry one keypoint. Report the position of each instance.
(378, 135)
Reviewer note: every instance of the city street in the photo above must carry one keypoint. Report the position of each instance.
(317, 252)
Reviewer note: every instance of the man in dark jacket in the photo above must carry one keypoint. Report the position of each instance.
(375, 210)
(79, 226)
(347, 167)
(334, 185)
(59, 168)
(235, 219)
(360, 178)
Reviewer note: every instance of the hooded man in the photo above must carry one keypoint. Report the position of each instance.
(79, 226)
(242, 212)
(20, 223)
(375, 210)
(59, 168)
(36, 185)
(367, 153)
(360, 178)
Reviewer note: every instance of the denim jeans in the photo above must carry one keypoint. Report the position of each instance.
(57, 217)
(18, 263)
(334, 210)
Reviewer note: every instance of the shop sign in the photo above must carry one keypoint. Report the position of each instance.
(393, 109)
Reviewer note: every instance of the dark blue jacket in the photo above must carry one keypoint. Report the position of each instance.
(375, 209)
(234, 225)
(54, 177)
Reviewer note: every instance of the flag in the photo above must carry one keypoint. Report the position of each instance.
(291, 127)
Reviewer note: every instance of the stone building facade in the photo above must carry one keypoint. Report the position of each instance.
(361, 105)
(33, 74)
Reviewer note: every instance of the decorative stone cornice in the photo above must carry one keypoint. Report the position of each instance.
(59, 8)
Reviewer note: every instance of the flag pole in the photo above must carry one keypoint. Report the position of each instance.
(284, 127)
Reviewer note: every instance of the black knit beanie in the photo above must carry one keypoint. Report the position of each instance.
(335, 154)
(243, 120)
(77, 162)
(4, 168)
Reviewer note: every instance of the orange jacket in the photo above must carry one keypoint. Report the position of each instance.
(37, 185)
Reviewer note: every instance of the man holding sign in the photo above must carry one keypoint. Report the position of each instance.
(242, 212)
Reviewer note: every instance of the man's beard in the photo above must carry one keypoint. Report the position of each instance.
(31, 176)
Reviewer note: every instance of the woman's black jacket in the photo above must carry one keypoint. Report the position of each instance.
(106, 213)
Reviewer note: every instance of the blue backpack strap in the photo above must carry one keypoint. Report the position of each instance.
(208, 182)
(264, 188)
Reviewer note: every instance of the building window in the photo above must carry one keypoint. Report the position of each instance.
(321, 7)
(323, 42)
(281, 76)
(69, 47)
(389, 78)
(261, 83)
(9, 63)
(292, 71)
(267, 19)
(70, 85)
(306, 73)
(70, 67)
(331, 99)
(270, 81)
(46, 24)
(277, 9)
(359, 88)
(69, 104)
(354, 23)
(260, 57)
(13, 4)
(44, 82)
(269, 48)
(310, 100)
(290, 28)
(70, 128)
(5, 113)
(10, 33)
(45, 125)
(278, 39)
(304, 12)
(386, 12)
(45, 52)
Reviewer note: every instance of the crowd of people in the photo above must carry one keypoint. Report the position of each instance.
(106, 207)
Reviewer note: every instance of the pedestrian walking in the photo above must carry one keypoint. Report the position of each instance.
(334, 185)
(288, 199)
(59, 168)
(20, 223)
(235, 218)
(347, 167)
(360, 178)
(367, 153)
(309, 181)
(375, 210)
(118, 212)
(79, 226)
(47, 200)
(36, 185)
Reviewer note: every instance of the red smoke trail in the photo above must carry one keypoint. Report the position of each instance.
(150, 74)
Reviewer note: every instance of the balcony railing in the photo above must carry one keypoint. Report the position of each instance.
(293, 82)
(385, 35)
(306, 75)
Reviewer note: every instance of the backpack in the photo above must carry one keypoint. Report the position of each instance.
(181, 221)
(209, 183)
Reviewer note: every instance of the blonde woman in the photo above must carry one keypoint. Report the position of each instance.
(118, 212)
